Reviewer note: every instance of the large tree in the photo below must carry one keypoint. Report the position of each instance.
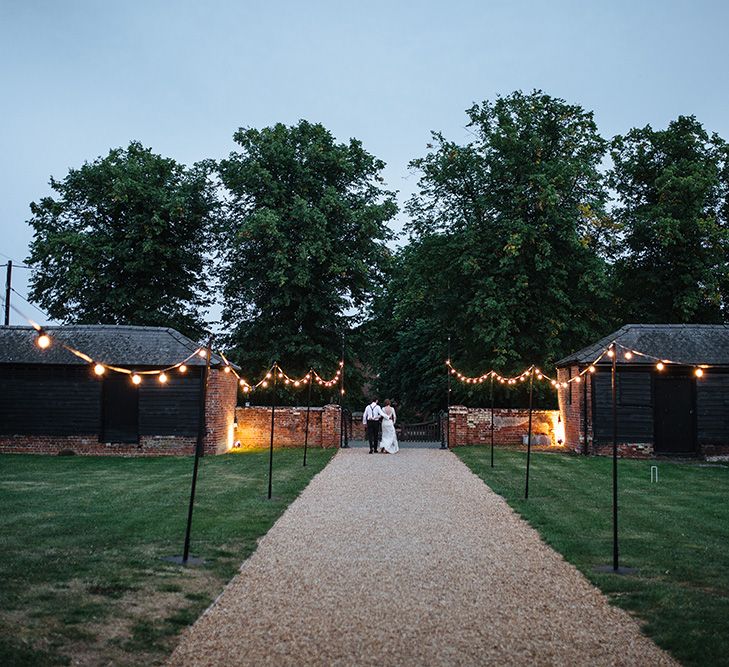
(302, 243)
(672, 205)
(510, 228)
(123, 242)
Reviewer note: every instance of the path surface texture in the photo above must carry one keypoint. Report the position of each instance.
(409, 559)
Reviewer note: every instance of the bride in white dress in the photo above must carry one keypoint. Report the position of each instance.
(388, 443)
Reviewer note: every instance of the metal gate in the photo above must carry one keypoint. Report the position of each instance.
(429, 431)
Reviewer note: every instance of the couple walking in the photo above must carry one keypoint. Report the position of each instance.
(380, 424)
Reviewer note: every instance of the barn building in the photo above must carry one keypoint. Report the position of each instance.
(52, 401)
(666, 411)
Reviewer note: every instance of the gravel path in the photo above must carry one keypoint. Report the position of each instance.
(409, 560)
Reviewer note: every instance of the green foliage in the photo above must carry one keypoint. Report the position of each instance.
(674, 532)
(123, 242)
(302, 244)
(507, 247)
(672, 186)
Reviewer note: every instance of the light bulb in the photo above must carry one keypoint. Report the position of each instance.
(43, 341)
(183, 368)
(162, 378)
(698, 372)
(136, 379)
(660, 366)
(99, 369)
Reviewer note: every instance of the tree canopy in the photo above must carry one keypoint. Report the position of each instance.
(522, 245)
(302, 243)
(505, 257)
(123, 242)
(673, 208)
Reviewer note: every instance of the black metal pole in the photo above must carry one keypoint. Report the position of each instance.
(201, 432)
(273, 417)
(492, 419)
(585, 380)
(342, 428)
(613, 387)
(447, 443)
(306, 430)
(8, 287)
(529, 434)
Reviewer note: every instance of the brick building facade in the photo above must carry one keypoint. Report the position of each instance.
(662, 409)
(51, 400)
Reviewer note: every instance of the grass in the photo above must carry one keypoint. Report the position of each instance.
(675, 532)
(81, 541)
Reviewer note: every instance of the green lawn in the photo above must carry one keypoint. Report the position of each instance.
(81, 540)
(675, 532)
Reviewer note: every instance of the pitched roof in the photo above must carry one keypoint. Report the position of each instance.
(688, 344)
(117, 345)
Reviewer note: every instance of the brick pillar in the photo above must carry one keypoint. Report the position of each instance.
(331, 420)
(572, 411)
(458, 433)
(220, 411)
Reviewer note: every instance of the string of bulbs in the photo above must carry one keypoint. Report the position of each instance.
(275, 371)
(611, 350)
(44, 341)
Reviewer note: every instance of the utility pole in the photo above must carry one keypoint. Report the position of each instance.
(8, 287)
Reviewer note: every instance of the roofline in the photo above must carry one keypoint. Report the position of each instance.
(602, 343)
(215, 361)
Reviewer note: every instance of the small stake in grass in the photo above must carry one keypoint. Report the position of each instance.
(654, 471)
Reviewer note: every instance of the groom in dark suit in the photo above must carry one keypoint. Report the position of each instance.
(372, 419)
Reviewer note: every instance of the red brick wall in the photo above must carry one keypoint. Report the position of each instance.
(220, 411)
(254, 426)
(153, 445)
(572, 412)
(472, 426)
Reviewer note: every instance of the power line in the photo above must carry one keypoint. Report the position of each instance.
(30, 303)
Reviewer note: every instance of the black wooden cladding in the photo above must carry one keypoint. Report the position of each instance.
(67, 400)
(712, 405)
(49, 400)
(636, 398)
(119, 409)
(674, 397)
(635, 407)
(171, 408)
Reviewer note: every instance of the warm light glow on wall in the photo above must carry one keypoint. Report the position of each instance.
(559, 434)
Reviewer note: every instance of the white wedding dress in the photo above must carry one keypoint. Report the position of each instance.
(389, 437)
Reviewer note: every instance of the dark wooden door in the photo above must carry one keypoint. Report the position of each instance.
(674, 415)
(120, 409)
